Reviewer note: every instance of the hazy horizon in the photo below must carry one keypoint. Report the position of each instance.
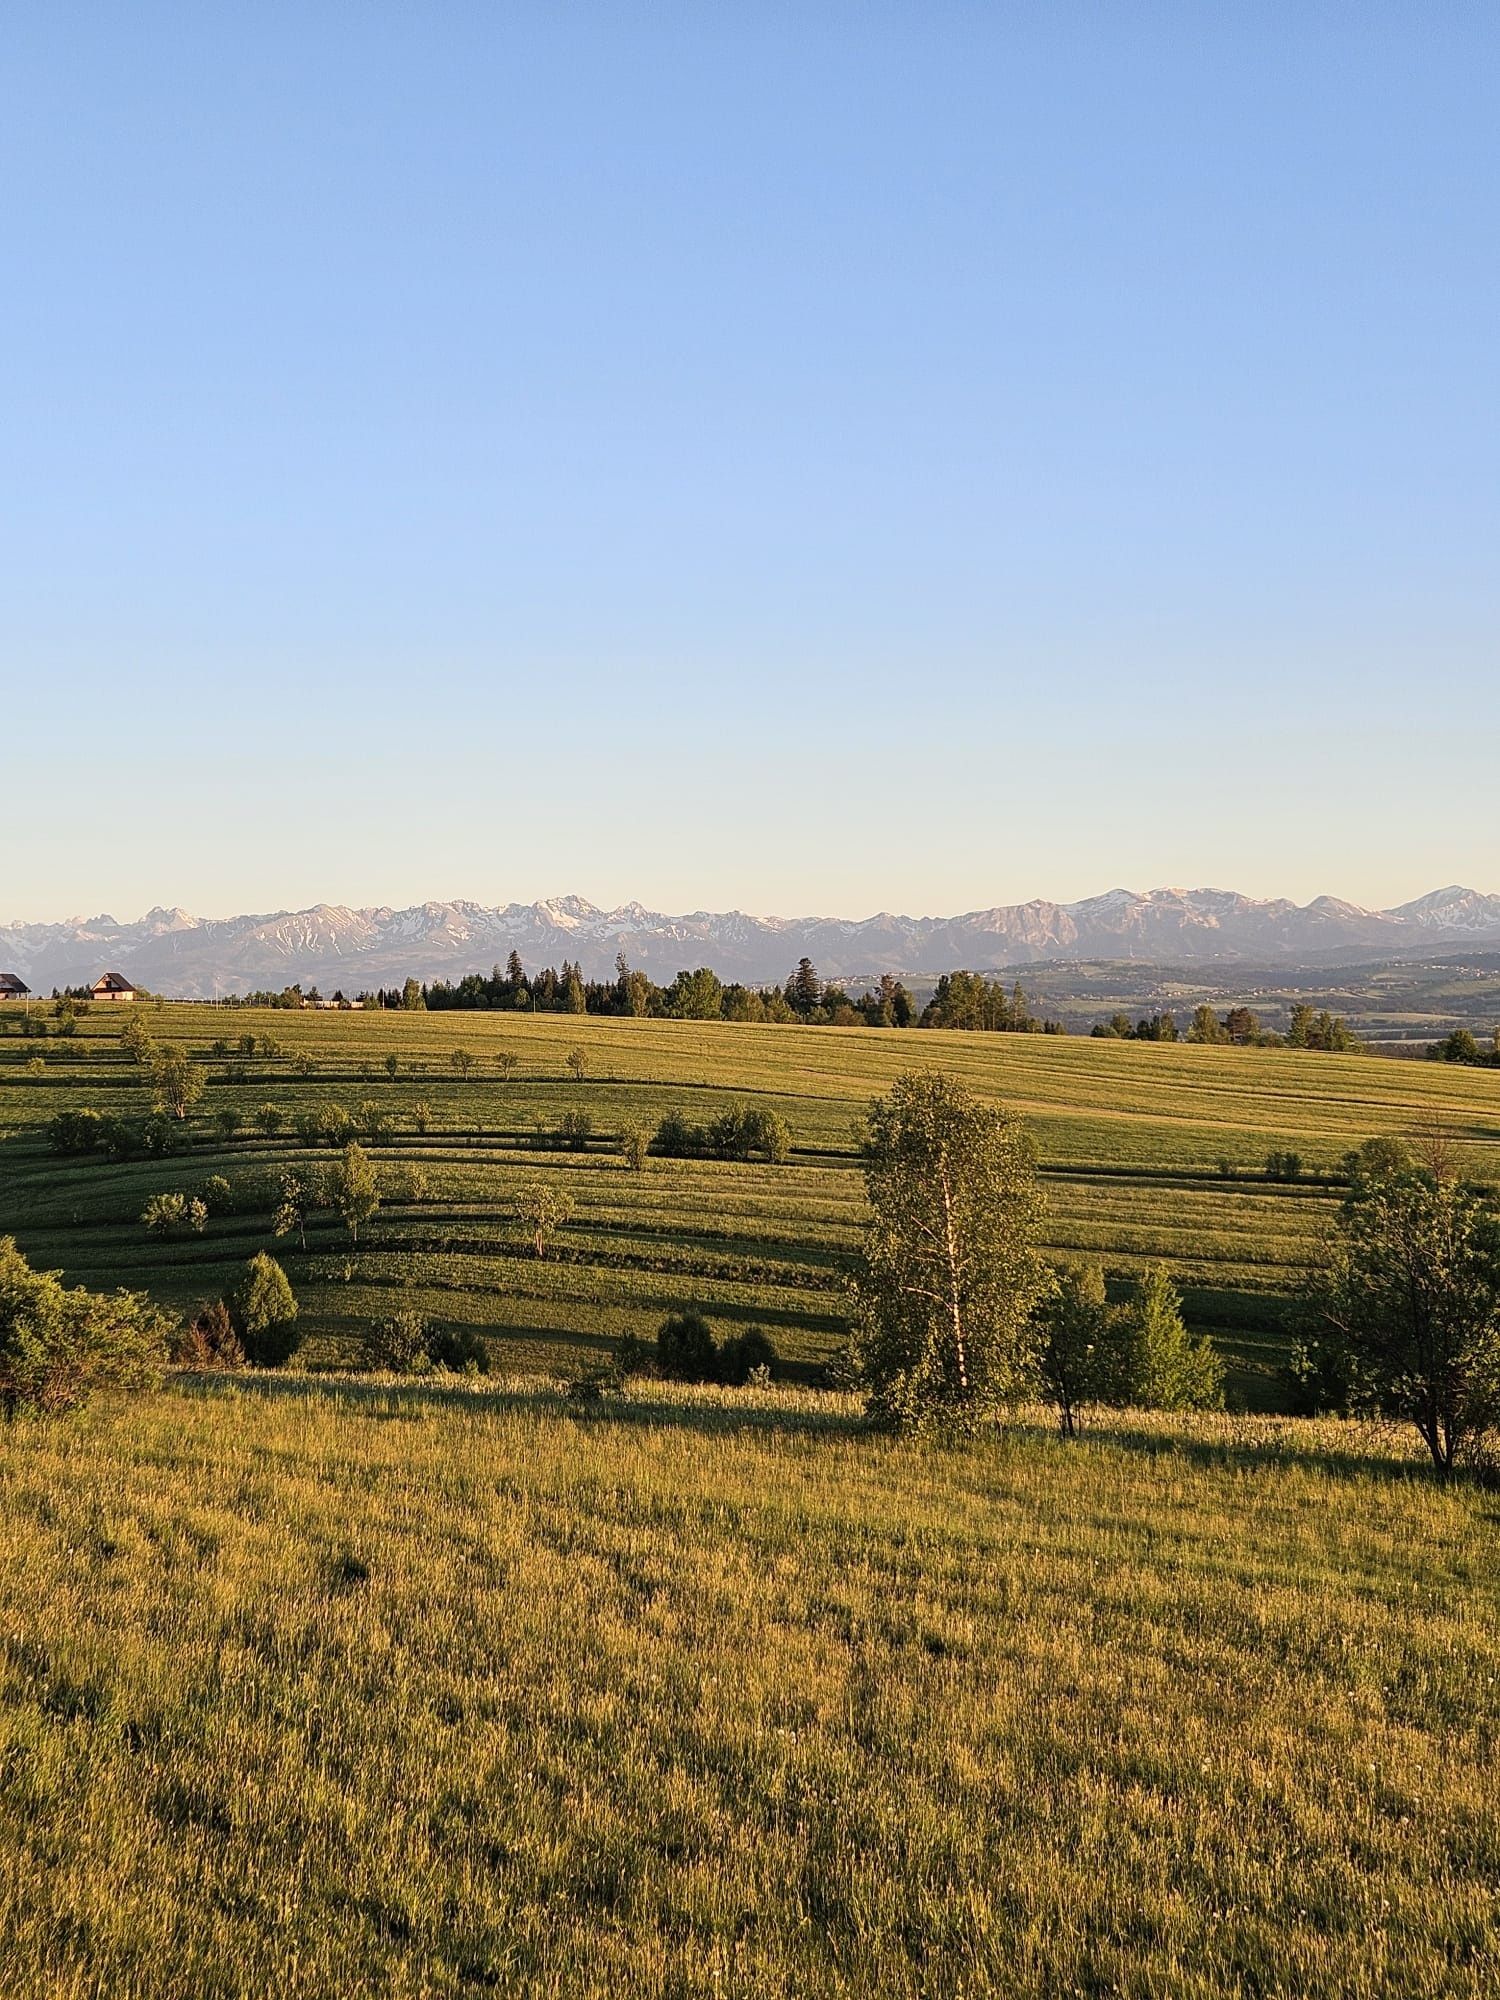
(888, 458)
(913, 912)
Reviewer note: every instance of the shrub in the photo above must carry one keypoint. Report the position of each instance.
(746, 1355)
(1283, 1166)
(264, 1310)
(771, 1137)
(269, 1120)
(632, 1356)
(678, 1139)
(745, 1130)
(218, 1195)
(209, 1340)
(162, 1135)
(685, 1350)
(75, 1132)
(1170, 1369)
(400, 1344)
(460, 1350)
(335, 1125)
(408, 1184)
(121, 1141)
(58, 1346)
(634, 1143)
(175, 1215)
(135, 1040)
(328, 1125)
(574, 1131)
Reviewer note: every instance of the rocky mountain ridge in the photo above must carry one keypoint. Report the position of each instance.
(330, 946)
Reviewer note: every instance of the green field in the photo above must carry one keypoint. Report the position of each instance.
(345, 1688)
(1132, 1138)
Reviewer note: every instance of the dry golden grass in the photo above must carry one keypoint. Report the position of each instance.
(323, 1689)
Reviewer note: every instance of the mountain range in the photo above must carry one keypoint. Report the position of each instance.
(329, 946)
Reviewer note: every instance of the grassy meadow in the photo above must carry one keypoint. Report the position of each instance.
(1149, 1151)
(325, 1687)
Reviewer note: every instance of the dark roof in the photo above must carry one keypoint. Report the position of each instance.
(112, 982)
(10, 984)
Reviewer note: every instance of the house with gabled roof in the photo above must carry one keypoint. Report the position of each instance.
(112, 986)
(13, 988)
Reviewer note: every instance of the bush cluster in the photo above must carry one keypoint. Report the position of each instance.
(175, 1214)
(571, 1134)
(686, 1351)
(740, 1133)
(79, 1134)
(404, 1343)
(57, 1346)
(1140, 1353)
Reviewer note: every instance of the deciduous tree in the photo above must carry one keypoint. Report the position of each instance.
(543, 1210)
(1408, 1313)
(1084, 1351)
(1170, 1368)
(176, 1079)
(355, 1188)
(950, 1276)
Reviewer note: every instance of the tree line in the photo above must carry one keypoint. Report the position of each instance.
(962, 1000)
(1238, 1027)
(1462, 1046)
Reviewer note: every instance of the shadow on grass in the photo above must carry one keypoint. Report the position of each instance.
(1259, 1454)
(643, 1406)
(647, 1405)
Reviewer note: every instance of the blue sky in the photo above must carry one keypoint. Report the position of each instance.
(811, 458)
